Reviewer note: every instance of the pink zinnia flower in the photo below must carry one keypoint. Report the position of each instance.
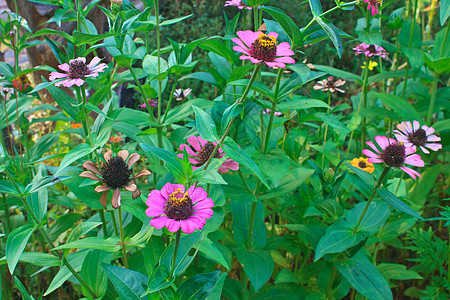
(412, 135)
(259, 47)
(370, 50)
(267, 112)
(200, 150)
(77, 71)
(175, 208)
(238, 3)
(394, 154)
(373, 4)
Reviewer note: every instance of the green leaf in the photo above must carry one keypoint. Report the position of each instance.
(208, 176)
(211, 252)
(36, 258)
(332, 33)
(299, 102)
(229, 113)
(216, 292)
(128, 283)
(92, 271)
(16, 243)
(338, 238)
(241, 211)
(274, 167)
(22, 289)
(48, 31)
(67, 103)
(199, 286)
(375, 217)
(339, 73)
(316, 7)
(237, 154)
(62, 224)
(150, 66)
(400, 106)
(182, 111)
(291, 181)
(391, 199)
(397, 272)
(76, 153)
(110, 245)
(287, 24)
(174, 21)
(257, 264)
(180, 170)
(364, 277)
(159, 279)
(444, 11)
(205, 125)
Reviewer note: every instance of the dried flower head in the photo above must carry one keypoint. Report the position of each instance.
(330, 85)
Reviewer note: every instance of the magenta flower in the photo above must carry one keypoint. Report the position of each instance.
(267, 112)
(394, 155)
(151, 102)
(173, 207)
(77, 70)
(259, 47)
(373, 4)
(370, 50)
(412, 135)
(199, 152)
(238, 3)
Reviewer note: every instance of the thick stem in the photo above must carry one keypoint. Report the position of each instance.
(170, 99)
(251, 225)
(122, 240)
(104, 228)
(113, 218)
(269, 127)
(433, 98)
(380, 180)
(175, 251)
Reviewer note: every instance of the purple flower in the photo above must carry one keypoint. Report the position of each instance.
(181, 94)
(412, 135)
(394, 155)
(373, 4)
(259, 47)
(267, 112)
(370, 50)
(238, 3)
(151, 102)
(200, 151)
(175, 208)
(77, 71)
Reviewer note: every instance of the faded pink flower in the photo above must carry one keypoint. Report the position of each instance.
(238, 3)
(77, 71)
(199, 152)
(267, 112)
(330, 84)
(412, 135)
(370, 50)
(373, 4)
(259, 47)
(175, 208)
(394, 155)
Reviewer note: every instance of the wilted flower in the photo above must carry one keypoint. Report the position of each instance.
(115, 139)
(373, 4)
(115, 174)
(76, 125)
(180, 94)
(267, 112)
(363, 164)
(175, 208)
(370, 50)
(371, 65)
(330, 84)
(394, 155)
(259, 47)
(412, 135)
(77, 71)
(238, 3)
(21, 83)
(200, 151)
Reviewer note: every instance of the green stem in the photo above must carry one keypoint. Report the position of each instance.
(331, 280)
(411, 32)
(113, 218)
(86, 112)
(104, 228)
(47, 238)
(244, 182)
(433, 98)
(122, 240)
(269, 127)
(444, 42)
(380, 180)
(170, 99)
(326, 132)
(399, 182)
(175, 251)
(252, 225)
(327, 12)
(141, 89)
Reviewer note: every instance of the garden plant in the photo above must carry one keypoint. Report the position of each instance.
(152, 163)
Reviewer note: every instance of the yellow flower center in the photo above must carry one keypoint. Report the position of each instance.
(267, 41)
(179, 206)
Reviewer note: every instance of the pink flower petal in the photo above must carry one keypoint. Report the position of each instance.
(240, 43)
(433, 138)
(197, 194)
(382, 141)
(187, 227)
(369, 153)
(274, 34)
(248, 36)
(273, 64)
(433, 146)
(56, 75)
(155, 198)
(409, 150)
(204, 203)
(371, 145)
(414, 160)
(159, 222)
(195, 143)
(284, 49)
(188, 150)
(94, 62)
(65, 67)
(240, 49)
(410, 172)
(285, 59)
(173, 225)
(169, 188)
(375, 160)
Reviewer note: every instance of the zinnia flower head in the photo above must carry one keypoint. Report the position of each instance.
(115, 174)
(77, 71)
(373, 4)
(363, 164)
(175, 207)
(180, 94)
(200, 150)
(412, 135)
(262, 48)
(330, 84)
(238, 3)
(394, 155)
(370, 50)
(21, 83)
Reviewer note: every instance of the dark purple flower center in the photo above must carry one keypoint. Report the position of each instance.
(264, 48)
(179, 206)
(206, 152)
(418, 138)
(362, 164)
(78, 69)
(372, 49)
(116, 173)
(394, 155)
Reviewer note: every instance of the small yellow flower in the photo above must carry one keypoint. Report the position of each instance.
(363, 164)
(372, 64)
